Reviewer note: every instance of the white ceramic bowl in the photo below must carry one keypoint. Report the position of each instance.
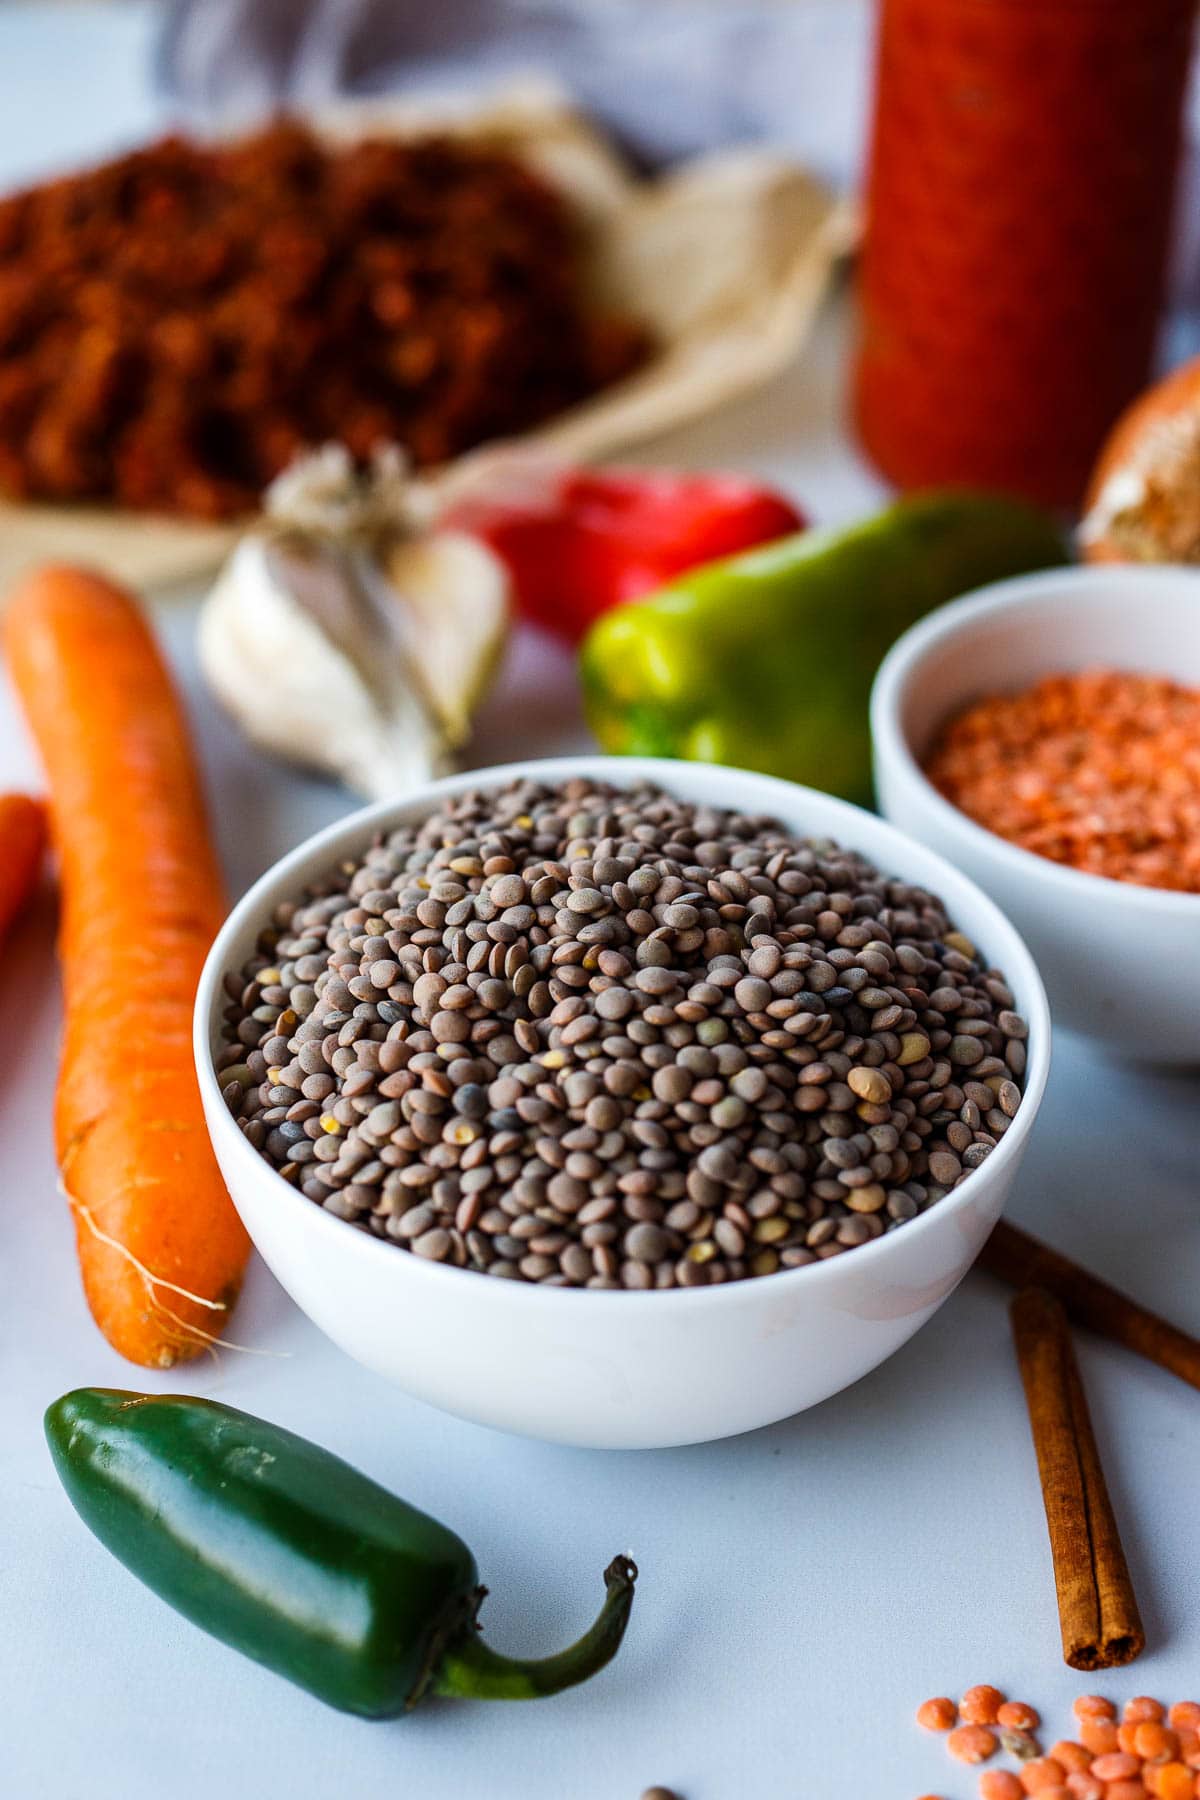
(1120, 962)
(605, 1368)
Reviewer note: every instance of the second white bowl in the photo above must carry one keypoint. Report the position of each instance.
(613, 1369)
(1121, 962)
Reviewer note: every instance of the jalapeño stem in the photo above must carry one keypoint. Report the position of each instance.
(469, 1669)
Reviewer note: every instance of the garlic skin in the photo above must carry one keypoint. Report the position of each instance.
(453, 621)
(343, 635)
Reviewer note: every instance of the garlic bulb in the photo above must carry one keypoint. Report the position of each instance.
(344, 634)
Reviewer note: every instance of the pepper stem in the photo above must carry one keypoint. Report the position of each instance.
(469, 1669)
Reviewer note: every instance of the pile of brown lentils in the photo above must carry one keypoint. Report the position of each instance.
(603, 1038)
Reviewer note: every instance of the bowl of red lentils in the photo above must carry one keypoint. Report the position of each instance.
(617, 1101)
(1044, 735)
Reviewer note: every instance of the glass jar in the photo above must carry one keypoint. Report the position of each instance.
(1019, 209)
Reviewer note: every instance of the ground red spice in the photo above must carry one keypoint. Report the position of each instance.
(176, 325)
(1100, 770)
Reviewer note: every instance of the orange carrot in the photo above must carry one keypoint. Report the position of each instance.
(160, 1246)
(22, 840)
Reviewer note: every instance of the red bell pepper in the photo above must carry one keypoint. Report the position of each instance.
(579, 541)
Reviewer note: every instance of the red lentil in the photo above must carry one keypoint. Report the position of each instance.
(1094, 1706)
(1099, 1736)
(981, 1705)
(1170, 1781)
(1042, 1773)
(1115, 1767)
(1154, 1742)
(1000, 1784)
(1014, 1715)
(1071, 1755)
(972, 1743)
(938, 1714)
(1099, 770)
(1142, 1709)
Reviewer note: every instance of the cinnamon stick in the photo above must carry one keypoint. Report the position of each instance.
(1098, 1611)
(1022, 1261)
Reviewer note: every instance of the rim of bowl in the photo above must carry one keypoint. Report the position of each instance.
(958, 619)
(623, 771)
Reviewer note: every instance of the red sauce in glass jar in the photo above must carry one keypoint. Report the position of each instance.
(1019, 208)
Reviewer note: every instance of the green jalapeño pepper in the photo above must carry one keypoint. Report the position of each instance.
(765, 660)
(292, 1557)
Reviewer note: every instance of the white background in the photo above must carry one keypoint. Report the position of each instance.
(802, 1588)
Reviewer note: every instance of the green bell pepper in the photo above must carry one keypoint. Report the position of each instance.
(289, 1555)
(765, 660)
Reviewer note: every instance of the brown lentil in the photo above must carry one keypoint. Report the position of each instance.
(759, 1070)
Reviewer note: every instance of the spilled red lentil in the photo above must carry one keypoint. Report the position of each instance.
(1148, 1753)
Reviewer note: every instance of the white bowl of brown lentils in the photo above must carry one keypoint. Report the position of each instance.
(621, 1102)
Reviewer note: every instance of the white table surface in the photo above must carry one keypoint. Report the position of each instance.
(802, 1588)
